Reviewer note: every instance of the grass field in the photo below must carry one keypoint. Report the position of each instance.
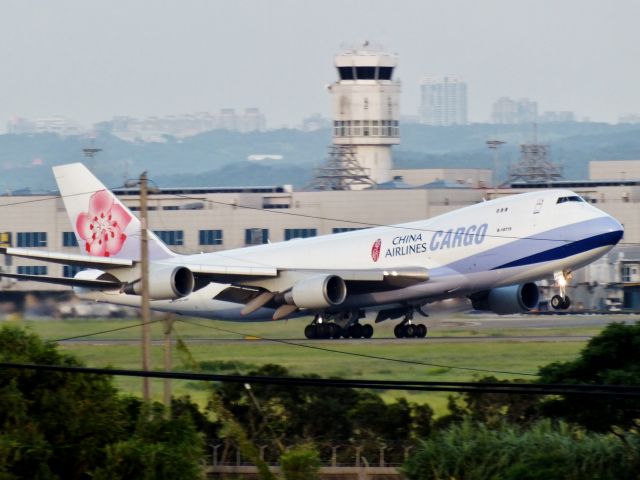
(497, 353)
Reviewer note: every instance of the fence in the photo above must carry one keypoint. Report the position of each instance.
(339, 462)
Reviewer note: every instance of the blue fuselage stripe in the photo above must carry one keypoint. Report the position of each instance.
(563, 251)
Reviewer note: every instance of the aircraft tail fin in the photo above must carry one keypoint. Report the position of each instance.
(103, 225)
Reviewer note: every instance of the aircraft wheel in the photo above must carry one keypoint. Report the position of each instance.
(410, 331)
(557, 302)
(334, 330)
(367, 331)
(356, 330)
(421, 331)
(566, 303)
(325, 330)
(398, 331)
(309, 331)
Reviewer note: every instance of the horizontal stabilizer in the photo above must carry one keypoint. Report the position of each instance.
(70, 282)
(100, 263)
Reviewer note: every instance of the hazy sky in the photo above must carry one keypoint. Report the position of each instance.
(91, 60)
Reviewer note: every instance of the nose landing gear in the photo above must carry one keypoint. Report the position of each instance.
(561, 301)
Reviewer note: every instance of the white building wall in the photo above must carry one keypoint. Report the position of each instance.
(614, 170)
(471, 177)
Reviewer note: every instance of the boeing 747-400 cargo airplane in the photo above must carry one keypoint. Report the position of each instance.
(491, 252)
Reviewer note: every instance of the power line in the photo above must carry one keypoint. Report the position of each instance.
(355, 354)
(463, 387)
(104, 331)
(50, 197)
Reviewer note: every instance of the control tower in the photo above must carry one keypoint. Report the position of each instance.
(366, 108)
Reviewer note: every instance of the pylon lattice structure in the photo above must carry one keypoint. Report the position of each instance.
(534, 165)
(342, 171)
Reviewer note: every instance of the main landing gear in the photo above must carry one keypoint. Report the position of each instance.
(407, 329)
(561, 301)
(321, 329)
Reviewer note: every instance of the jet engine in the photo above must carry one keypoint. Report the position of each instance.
(506, 300)
(165, 283)
(317, 292)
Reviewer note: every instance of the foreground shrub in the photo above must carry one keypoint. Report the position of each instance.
(300, 463)
(472, 451)
(75, 426)
(610, 358)
(159, 448)
(52, 424)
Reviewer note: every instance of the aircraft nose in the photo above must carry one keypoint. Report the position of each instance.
(615, 230)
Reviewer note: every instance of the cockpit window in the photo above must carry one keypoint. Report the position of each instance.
(573, 198)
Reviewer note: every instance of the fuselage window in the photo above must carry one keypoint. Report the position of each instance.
(573, 198)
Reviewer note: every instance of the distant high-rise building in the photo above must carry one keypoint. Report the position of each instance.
(228, 119)
(629, 118)
(183, 125)
(444, 100)
(509, 111)
(315, 122)
(55, 124)
(556, 117)
(253, 121)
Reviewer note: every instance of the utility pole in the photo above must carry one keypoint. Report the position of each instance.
(144, 279)
(168, 327)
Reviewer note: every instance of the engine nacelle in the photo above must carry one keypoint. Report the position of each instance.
(506, 300)
(91, 274)
(317, 292)
(165, 283)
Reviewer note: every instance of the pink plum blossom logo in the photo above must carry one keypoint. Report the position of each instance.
(102, 227)
(375, 250)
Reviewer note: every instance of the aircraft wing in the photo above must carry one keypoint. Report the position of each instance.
(398, 277)
(375, 279)
(231, 273)
(100, 263)
(259, 290)
(70, 282)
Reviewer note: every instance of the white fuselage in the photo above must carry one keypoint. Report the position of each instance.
(506, 241)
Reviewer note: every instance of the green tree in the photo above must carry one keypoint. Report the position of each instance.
(373, 419)
(320, 414)
(288, 412)
(423, 422)
(492, 409)
(52, 424)
(56, 425)
(160, 448)
(611, 358)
